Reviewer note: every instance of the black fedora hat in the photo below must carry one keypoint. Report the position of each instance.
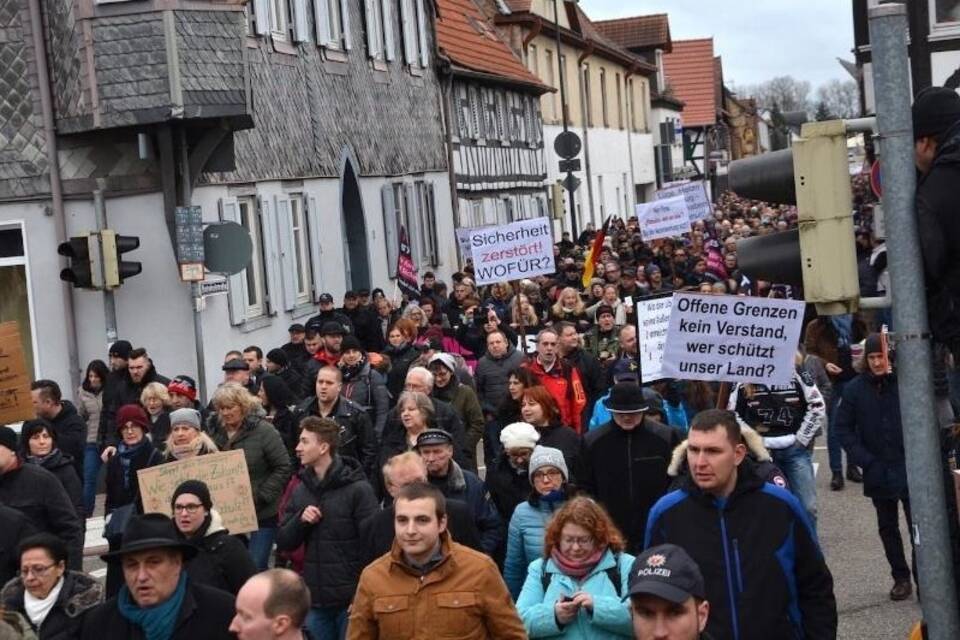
(626, 397)
(150, 531)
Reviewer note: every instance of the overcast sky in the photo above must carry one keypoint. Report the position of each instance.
(757, 39)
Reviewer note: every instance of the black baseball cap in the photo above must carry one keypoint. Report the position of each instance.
(326, 298)
(434, 436)
(296, 327)
(666, 571)
(235, 365)
(332, 328)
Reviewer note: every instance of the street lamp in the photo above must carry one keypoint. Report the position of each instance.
(563, 114)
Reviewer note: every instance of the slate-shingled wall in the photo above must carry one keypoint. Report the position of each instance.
(305, 115)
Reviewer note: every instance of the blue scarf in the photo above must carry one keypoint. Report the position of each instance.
(159, 620)
(554, 498)
(126, 458)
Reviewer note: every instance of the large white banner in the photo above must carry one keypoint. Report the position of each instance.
(518, 250)
(732, 338)
(695, 196)
(666, 218)
(653, 322)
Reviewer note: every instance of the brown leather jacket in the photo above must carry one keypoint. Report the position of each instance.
(463, 597)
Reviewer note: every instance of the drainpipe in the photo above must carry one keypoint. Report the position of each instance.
(56, 188)
(633, 179)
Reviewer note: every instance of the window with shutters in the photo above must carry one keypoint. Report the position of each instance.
(279, 24)
(332, 19)
(250, 219)
(619, 103)
(490, 114)
(427, 243)
(414, 25)
(603, 97)
(476, 119)
(301, 249)
(587, 97)
(553, 98)
(533, 62)
(465, 116)
(379, 16)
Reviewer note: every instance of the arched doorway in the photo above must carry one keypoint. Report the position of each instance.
(356, 260)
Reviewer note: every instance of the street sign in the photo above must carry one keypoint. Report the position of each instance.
(567, 145)
(571, 182)
(188, 224)
(573, 164)
(227, 247)
(876, 182)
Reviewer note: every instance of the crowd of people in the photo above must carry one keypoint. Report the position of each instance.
(468, 463)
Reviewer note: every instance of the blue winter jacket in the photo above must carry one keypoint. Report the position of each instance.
(525, 541)
(611, 617)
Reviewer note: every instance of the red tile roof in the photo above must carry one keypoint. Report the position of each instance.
(466, 37)
(638, 32)
(691, 75)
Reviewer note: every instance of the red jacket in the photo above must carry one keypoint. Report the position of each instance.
(564, 384)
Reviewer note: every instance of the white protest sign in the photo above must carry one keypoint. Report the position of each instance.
(694, 195)
(653, 322)
(732, 338)
(665, 218)
(518, 250)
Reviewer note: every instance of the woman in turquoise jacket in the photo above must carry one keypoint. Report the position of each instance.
(548, 475)
(576, 590)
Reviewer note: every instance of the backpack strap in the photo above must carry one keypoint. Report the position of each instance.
(545, 577)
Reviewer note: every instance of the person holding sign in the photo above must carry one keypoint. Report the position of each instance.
(788, 417)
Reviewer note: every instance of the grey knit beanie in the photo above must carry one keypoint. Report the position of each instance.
(548, 457)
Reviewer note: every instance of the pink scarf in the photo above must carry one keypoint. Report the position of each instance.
(574, 568)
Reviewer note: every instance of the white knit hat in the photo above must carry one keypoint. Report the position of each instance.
(519, 434)
(548, 457)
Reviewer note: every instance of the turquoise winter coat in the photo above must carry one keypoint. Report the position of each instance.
(525, 541)
(611, 616)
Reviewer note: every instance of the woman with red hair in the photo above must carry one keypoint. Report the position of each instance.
(539, 408)
(576, 589)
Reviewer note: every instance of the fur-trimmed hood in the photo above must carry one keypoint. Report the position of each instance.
(751, 438)
(80, 593)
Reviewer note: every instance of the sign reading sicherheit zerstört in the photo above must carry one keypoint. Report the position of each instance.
(732, 339)
(518, 250)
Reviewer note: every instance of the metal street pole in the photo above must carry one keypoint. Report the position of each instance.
(196, 290)
(563, 117)
(109, 304)
(888, 42)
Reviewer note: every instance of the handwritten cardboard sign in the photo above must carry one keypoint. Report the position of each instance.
(224, 473)
(15, 402)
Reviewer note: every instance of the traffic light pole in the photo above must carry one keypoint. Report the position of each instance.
(196, 290)
(563, 118)
(888, 31)
(109, 304)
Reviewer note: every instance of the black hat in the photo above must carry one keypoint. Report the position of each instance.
(8, 438)
(296, 327)
(350, 295)
(626, 397)
(194, 487)
(325, 298)
(235, 365)
(332, 328)
(935, 110)
(872, 344)
(604, 308)
(278, 357)
(350, 343)
(667, 571)
(434, 436)
(363, 293)
(150, 531)
(121, 349)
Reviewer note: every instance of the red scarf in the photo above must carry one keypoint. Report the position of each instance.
(578, 569)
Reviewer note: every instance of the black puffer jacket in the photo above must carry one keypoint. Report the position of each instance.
(335, 552)
(357, 439)
(222, 561)
(492, 375)
(121, 390)
(507, 486)
(61, 465)
(400, 360)
(71, 431)
(79, 594)
(119, 492)
(38, 494)
(14, 527)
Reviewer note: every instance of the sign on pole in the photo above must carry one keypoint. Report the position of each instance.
(224, 473)
(15, 404)
(732, 339)
(666, 218)
(518, 250)
(653, 322)
(694, 195)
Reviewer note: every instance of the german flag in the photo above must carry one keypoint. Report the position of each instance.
(593, 256)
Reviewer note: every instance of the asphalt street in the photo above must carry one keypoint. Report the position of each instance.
(847, 529)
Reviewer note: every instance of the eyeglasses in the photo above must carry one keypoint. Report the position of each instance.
(189, 508)
(580, 541)
(130, 427)
(38, 571)
(547, 475)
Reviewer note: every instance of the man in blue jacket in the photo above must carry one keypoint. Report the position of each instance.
(753, 541)
(867, 420)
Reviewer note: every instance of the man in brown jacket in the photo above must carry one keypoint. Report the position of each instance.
(429, 586)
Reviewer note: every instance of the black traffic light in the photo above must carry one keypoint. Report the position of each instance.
(84, 269)
(115, 269)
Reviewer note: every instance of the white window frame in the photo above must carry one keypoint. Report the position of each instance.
(279, 23)
(551, 79)
(23, 260)
(428, 240)
(250, 218)
(301, 249)
(332, 19)
(604, 111)
(374, 15)
(423, 26)
(620, 123)
(533, 62)
(941, 30)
